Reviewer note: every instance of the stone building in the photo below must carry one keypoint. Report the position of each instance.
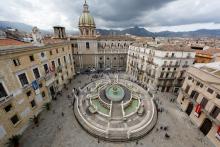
(208, 55)
(200, 99)
(159, 67)
(93, 52)
(29, 77)
(59, 32)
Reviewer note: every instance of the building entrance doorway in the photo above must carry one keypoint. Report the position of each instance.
(52, 91)
(189, 109)
(206, 126)
(101, 65)
(176, 90)
(168, 89)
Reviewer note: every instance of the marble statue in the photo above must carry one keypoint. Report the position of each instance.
(37, 38)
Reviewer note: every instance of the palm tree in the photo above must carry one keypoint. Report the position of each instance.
(47, 106)
(14, 141)
(54, 98)
(35, 120)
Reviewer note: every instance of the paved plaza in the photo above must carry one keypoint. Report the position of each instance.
(123, 112)
(59, 128)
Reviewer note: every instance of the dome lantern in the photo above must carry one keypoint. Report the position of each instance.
(86, 22)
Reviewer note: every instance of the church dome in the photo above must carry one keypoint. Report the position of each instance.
(86, 19)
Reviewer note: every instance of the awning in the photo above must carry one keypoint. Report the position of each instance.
(218, 130)
(198, 110)
(218, 134)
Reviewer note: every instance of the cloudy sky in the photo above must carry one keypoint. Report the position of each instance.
(155, 15)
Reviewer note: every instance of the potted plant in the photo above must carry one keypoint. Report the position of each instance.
(14, 141)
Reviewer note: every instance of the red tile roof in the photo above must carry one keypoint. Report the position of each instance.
(7, 42)
(171, 47)
(210, 51)
(48, 41)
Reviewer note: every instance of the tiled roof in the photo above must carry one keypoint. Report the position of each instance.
(210, 51)
(207, 72)
(48, 41)
(115, 38)
(169, 47)
(10, 42)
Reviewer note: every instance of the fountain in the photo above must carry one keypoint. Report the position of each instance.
(111, 108)
(115, 93)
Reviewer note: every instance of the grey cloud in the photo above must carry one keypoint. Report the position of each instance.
(123, 10)
(112, 13)
(115, 13)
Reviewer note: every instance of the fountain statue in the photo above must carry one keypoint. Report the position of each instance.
(115, 90)
(37, 38)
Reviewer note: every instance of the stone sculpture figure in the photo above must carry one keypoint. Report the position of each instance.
(37, 38)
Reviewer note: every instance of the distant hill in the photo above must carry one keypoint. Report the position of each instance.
(133, 31)
(137, 31)
(20, 26)
(143, 32)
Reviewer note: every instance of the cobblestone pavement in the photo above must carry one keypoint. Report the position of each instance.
(56, 130)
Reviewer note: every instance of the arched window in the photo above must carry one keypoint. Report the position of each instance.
(87, 32)
(87, 45)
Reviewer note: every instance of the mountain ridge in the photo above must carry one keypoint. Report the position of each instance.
(137, 31)
(145, 33)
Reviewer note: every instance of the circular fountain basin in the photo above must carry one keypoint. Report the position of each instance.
(115, 93)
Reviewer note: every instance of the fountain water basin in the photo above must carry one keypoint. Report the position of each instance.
(115, 93)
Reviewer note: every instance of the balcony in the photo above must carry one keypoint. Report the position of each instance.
(180, 78)
(132, 56)
(188, 57)
(203, 109)
(133, 66)
(170, 57)
(6, 99)
(59, 69)
(166, 78)
(27, 86)
(185, 66)
(141, 71)
(170, 65)
(178, 85)
(48, 76)
(151, 62)
(151, 75)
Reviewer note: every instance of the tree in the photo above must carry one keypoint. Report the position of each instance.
(35, 120)
(47, 106)
(14, 141)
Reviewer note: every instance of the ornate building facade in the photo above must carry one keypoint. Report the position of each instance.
(52, 63)
(30, 77)
(159, 67)
(91, 51)
(200, 99)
